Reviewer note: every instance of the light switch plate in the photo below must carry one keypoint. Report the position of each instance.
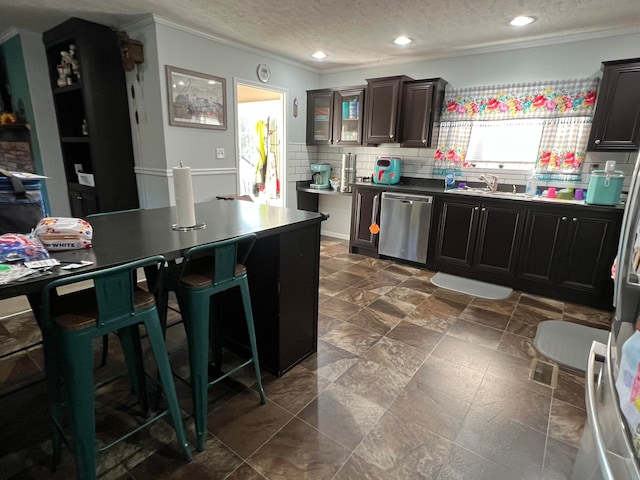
(219, 153)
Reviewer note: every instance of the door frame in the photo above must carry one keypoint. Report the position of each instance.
(283, 137)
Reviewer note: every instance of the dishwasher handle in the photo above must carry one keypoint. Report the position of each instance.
(406, 198)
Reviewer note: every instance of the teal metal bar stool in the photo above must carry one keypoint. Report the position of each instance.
(206, 271)
(105, 339)
(71, 322)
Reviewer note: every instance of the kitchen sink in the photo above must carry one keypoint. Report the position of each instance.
(484, 192)
(499, 194)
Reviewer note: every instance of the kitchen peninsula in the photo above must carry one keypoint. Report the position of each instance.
(283, 267)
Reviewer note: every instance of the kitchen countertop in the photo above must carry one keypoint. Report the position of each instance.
(434, 186)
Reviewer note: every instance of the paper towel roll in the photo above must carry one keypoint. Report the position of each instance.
(184, 196)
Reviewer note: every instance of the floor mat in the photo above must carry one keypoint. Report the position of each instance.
(567, 343)
(471, 287)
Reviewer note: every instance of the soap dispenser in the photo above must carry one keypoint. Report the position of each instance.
(530, 189)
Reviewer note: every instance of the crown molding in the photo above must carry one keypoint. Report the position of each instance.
(158, 20)
(8, 34)
(495, 47)
(480, 49)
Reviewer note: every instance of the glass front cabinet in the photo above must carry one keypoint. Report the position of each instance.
(334, 117)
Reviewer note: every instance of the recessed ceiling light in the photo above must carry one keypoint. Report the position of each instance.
(402, 41)
(319, 55)
(522, 21)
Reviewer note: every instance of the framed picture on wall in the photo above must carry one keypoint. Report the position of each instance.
(196, 100)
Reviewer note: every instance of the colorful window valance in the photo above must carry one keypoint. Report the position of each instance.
(566, 106)
(522, 100)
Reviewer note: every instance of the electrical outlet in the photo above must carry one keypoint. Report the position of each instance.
(219, 153)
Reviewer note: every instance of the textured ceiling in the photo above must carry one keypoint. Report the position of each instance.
(352, 32)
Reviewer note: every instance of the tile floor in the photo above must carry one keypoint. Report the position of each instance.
(409, 382)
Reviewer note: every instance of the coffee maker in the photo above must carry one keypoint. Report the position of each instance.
(320, 177)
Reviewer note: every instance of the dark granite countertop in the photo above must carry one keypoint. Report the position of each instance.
(436, 186)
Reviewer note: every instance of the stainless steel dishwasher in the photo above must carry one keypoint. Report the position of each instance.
(404, 226)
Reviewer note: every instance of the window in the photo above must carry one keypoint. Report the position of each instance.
(511, 144)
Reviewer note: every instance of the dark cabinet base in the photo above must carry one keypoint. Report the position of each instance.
(558, 251)
(365, 211)
(283, 273)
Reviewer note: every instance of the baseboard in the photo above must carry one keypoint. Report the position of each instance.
(339, 235)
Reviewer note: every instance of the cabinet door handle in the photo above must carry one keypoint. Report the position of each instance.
(374, 210)
(484, 209)
(424, 141)
(564, 218)
(391, 137)
(78, 197)
(575, 219)
(597, 142)
(476, 208)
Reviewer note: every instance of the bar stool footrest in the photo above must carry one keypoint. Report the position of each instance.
(230, 372)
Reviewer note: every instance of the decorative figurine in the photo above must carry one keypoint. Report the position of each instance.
(62, 78)
(75, 66)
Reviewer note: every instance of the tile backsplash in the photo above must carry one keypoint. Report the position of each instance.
(419, 163)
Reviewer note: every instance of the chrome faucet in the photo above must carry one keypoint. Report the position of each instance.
(490, 180)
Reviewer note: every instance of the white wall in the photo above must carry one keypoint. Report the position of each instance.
(161, 146)
(552, 62)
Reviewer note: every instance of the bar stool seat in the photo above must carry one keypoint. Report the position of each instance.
(206, 271)
(70, 323)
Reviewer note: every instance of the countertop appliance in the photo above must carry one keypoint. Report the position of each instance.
(607, 450)
(347, 171)
(320, 177)
(605, 187)
(404, 226)
(388, 170)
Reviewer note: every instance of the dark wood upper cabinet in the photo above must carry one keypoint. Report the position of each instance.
(348, 114)
(421, 107)
(319, 117)
(616, 122)
(335, 116)
(382, 109)
(93, 117)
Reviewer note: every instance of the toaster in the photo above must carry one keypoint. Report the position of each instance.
(388, 170)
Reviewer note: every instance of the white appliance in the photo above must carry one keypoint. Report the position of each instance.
(607, 450)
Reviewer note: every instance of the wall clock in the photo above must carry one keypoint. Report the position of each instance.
(264, 72)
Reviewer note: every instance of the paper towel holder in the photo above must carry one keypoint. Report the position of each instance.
(176, 226)
(197, 226)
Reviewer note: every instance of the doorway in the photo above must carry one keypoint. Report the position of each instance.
(261, 142)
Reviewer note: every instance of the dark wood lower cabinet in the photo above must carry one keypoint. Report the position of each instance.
(83, 201)
(559, 251)
(456, 227)
(283, 273)
(498, 241)
(477, 236)
(571, 250)
(365, 210)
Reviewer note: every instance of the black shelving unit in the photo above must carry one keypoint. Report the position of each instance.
(93, 117)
